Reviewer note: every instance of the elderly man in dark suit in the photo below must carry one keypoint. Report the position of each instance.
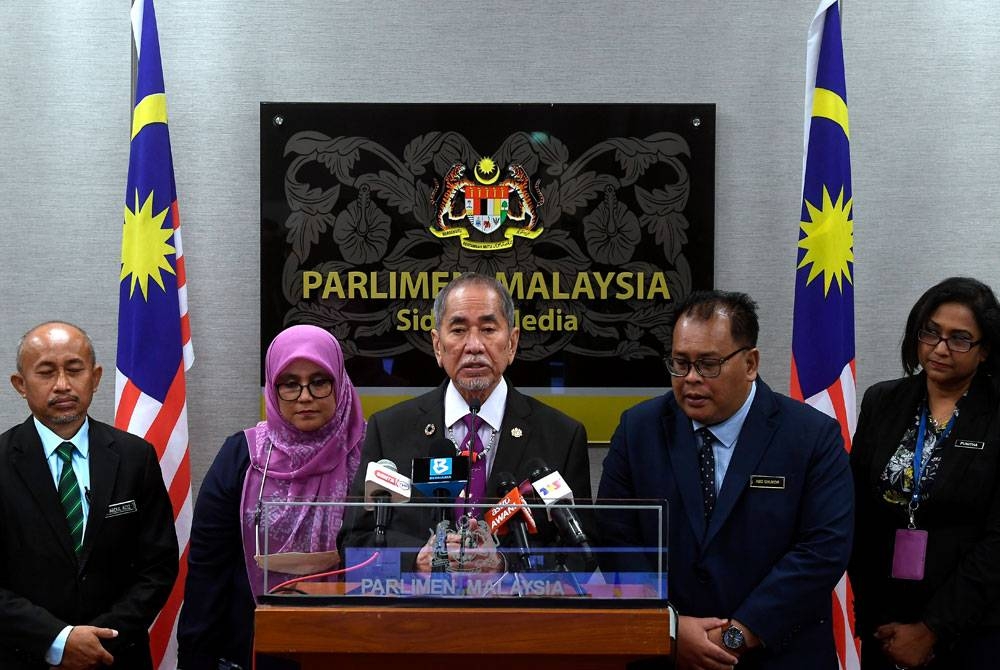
(474, 341)
(760, 498)
(88, 552)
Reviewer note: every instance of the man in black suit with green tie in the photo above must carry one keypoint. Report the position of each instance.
(88, 552)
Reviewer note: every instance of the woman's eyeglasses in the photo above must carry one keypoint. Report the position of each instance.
(318, 389)
(955, 343)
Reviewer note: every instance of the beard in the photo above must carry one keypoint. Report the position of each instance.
(475, 384)
(66, 418)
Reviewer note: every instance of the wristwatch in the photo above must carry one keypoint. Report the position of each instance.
(733, 639)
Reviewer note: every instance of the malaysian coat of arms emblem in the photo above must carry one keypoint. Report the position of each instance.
(488, 204)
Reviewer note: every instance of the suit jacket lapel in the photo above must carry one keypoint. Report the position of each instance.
(511, 451)
(683, 454)
(29, 463)
(103, 471)
(430, 427)
(755, 436)
(894, 423)
(974, 414)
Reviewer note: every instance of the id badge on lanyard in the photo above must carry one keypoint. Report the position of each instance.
(909, 552)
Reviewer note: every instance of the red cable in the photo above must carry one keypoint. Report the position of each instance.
(324, 574)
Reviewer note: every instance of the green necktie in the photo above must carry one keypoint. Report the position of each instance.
(69, 495)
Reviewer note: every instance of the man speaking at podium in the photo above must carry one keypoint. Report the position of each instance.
(476, 410)
(760, 496)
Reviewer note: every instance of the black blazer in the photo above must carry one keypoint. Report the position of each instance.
(400, 433)
(128, 563)
(961, 587)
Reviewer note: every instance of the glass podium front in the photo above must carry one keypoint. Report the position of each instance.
(490, 555)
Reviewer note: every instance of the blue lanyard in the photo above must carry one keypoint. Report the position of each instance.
(918, 454)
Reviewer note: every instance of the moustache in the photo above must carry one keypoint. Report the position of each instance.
(474, 360)
(62, 398)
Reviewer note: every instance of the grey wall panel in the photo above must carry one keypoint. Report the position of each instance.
(924, 117)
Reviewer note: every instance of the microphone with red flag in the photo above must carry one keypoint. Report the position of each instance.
(511, 518)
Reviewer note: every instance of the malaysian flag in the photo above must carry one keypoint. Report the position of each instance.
(823, 370)
(154, 336)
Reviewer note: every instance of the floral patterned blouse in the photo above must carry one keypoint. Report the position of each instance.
(896, 483)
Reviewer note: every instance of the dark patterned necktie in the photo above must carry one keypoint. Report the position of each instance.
(477, 475)
(706, 468)
(69, 495)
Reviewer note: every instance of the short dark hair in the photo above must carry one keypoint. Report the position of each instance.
(972, 293)
(741, 309)
(470, 278)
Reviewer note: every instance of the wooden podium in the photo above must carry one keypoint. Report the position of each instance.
(478, 638)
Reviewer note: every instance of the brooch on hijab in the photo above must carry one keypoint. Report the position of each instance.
(429, 429)
(516, 432)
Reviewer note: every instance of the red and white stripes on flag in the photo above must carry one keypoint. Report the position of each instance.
(154, 333)
(823, 351)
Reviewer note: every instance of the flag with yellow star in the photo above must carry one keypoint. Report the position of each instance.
(154, 336)
(823, 330)
(823, 370)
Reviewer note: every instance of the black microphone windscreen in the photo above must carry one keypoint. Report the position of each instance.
(506, 485)
(537, 469)
(442, 448)
(475, 405)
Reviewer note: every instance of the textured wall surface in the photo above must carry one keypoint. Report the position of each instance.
(922, 93)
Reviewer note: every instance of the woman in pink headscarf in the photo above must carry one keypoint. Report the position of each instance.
(307, 449)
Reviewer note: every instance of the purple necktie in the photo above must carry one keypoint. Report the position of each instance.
(477, 475)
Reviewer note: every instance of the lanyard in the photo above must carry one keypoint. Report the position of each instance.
(918, 458)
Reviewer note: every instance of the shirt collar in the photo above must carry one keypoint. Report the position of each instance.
(455, 406)
(51, 441)
(727, 431)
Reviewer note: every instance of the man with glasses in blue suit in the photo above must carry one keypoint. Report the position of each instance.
(759, 493)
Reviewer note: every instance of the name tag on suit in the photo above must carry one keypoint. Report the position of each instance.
(120, 508)
(970, 444)
(773, 482)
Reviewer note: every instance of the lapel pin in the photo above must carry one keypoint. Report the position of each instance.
(429, 429)
(516, 432)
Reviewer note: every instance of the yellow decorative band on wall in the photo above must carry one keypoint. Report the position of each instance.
(598, 414)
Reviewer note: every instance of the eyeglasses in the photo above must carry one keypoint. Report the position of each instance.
(956, 343)
(318, 389)
(706, 367)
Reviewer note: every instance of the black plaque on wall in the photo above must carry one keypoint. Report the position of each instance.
(597, 217)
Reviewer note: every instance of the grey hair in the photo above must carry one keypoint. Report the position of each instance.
(477, 279)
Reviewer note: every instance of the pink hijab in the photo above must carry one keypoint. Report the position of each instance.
(303, 466)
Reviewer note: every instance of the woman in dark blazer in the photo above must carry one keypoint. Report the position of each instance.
(926, 561)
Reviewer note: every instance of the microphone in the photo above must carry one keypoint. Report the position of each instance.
(382, 484)
(512, 517)
(558, 499)
(442, 475)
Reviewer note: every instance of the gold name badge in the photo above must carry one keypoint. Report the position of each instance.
(767, 482)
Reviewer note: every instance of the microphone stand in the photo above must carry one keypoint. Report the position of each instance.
(562, 568)
(474, 406)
